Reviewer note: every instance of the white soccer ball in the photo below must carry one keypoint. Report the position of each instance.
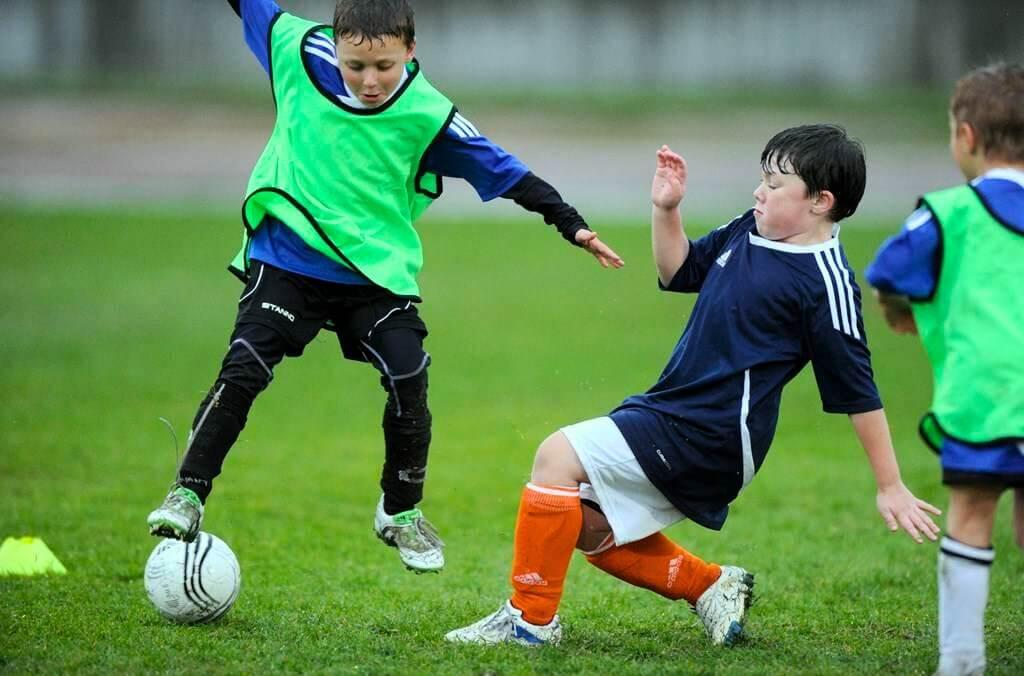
(191, 582)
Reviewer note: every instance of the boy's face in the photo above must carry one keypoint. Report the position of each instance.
(372, 69)
(782, 207)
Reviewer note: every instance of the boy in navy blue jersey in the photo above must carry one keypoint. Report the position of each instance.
(358, 151)
(776, 292)
(953, 275)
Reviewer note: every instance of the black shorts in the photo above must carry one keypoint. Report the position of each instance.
(298, 307)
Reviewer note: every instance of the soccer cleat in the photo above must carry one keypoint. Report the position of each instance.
(416, 539)
(179, 517)
(507, 625)
(724, 604)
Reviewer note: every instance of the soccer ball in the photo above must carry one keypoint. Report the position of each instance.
(193, 582)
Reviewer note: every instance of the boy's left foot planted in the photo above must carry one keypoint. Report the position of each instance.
(723, 607)
(507, 625)
(416, 539)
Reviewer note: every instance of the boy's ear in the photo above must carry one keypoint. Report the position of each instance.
(966, 137)
(410, 52)
(823, 203)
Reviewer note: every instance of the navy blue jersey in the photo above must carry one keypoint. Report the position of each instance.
(765, 309)
(460, 152)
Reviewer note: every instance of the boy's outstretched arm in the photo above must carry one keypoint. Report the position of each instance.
(535, 194)
(668, 239)
(895, 502)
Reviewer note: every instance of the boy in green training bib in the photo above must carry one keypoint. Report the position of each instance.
(358, 151)
(954, 276)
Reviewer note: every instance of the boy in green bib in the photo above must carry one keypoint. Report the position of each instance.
(955, 276)
(358, 151)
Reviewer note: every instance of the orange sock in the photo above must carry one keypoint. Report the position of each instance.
(548, 524)
(658, 564)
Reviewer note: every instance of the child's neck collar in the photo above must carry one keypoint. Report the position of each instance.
(1006, 172)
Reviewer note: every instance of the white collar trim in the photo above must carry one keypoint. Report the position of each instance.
(1005, 174)
(832, 243)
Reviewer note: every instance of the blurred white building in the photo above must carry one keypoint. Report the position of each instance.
(545, 44)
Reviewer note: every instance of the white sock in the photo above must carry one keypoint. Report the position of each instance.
(963, 595)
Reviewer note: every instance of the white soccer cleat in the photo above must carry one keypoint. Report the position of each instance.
(724, 604)
(416, 539)
(179, 517)
(507, 625)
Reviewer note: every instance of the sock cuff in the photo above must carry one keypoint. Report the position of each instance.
(952, 547)
(559, 497)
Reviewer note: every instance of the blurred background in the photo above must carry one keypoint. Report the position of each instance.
(159, 102)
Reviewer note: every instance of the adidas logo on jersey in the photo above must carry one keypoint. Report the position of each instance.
(724, 258)
(532, 579)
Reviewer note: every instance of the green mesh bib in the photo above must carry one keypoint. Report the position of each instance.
(973, 326)
(347, 181)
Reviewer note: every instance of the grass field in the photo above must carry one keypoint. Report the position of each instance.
(112, 320)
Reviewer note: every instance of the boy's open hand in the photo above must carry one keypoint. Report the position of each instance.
(604, 255)
(897, 312)
(669, 185)
(901, 509)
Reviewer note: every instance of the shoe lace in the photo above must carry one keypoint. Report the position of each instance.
(180, 502)
(418, 534)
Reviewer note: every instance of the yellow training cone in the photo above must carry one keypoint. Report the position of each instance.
(28, 556)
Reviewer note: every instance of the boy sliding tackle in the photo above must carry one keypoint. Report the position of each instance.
(357, 154)
(775, 292)
(954, 275)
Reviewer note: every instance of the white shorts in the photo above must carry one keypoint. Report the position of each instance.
(634, 507)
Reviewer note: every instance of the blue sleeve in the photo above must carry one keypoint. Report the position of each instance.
(839, 352)
(256, 18)
(703, 252)
(907, 263)
(463, 152)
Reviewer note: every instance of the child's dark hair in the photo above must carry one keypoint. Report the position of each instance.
(374, 20)
(991, 100)
(826, 158)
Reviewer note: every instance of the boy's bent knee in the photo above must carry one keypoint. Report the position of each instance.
(556, 463)
(252, 355)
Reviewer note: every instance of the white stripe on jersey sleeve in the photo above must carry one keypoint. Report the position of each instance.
(828, 288)
(329, 58)
(322, 41)
(854, 331)
(918, 218)
(839, 292)
(461, 129)
(473, 131)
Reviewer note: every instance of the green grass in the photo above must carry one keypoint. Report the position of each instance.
(112, 320)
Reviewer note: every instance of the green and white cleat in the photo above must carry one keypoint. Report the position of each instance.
(179, 517)
(416, 539)
(723, 606)
(507, 625)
